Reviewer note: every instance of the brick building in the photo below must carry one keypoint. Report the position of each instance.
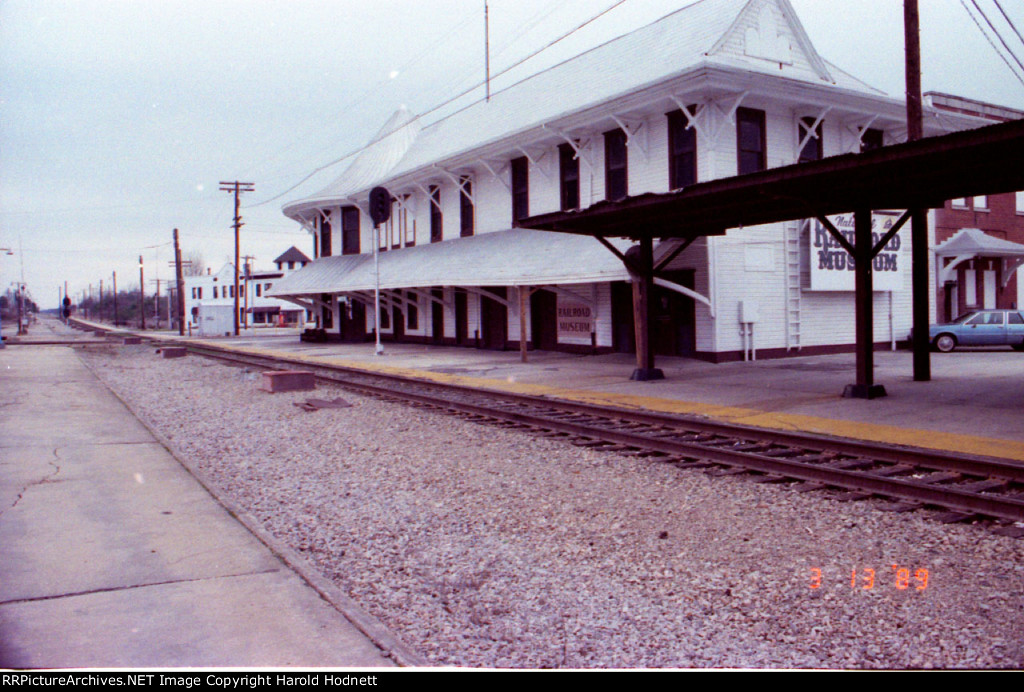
(989, 278)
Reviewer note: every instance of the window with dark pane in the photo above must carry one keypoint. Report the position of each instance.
(682, 151)
(872, 139)
(750, 141)
(436, 220)
(616, 181)
(812, 148)
(520, 189)
(466, 207)
(325, 235)
(569, 177)
(350, 231)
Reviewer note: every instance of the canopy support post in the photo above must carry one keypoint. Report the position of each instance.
(865, 388)
(643, 286)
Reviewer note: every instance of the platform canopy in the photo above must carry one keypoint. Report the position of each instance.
(513, 258)
(921, 174)
(970, 243)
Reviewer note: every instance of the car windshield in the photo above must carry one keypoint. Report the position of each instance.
(964, 317)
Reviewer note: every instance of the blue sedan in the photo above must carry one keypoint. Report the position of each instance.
(980, 328)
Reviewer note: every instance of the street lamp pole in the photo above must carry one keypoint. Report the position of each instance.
(7, 251)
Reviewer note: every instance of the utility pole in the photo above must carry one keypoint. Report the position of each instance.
(487, 52)
(248, 278)
(178, 274)
(918, 217)
(115, 298)
(238, 188)
(22, 329)
(142, 295)
(156, 303)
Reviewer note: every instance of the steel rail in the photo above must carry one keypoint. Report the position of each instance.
(967, 502)
(974, 465)
(730, 445)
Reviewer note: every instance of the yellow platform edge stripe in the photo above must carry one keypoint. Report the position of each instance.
(871, 432)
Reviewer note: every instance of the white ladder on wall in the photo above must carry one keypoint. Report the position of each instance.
(794, 230)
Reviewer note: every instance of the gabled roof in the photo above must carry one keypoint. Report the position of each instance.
(381, 154)
(292, 254)
(755, 36)
(974, 241)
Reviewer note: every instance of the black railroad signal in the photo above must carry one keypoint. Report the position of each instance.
(380, 205)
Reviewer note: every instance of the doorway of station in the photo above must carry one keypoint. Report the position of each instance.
(437, 316)
(352, 325)
(673, 320)
(493, 320)
(397, 323)
(326, 313)
(461, 317)
(544, 320)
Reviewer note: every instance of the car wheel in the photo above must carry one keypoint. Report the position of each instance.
(1018, 347)
(945, 342)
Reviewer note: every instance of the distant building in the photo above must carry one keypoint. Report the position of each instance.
(716, 89)
(210, 298)
(979, 269)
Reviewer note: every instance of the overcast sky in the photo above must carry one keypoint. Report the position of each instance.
(118, 118)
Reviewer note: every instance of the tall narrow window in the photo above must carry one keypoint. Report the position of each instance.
(569, 177)
(412, 312)
(350, 231)
(408, 225)
(682, 151)
(325, 235)
(616, 180)
(872, 139)
(466, 206)
(436, 220)
(520, 189)
(812, 148)
(750, 141)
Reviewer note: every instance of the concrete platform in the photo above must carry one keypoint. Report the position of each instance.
(974, 403)
(115, 556)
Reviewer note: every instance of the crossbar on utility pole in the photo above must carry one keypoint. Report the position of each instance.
(237, 188)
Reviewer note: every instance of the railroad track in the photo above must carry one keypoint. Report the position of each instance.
(965, 487)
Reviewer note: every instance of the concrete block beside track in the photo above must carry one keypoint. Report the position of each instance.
(287, 381)
(173, 351)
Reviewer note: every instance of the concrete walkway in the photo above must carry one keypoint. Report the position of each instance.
(113, 555)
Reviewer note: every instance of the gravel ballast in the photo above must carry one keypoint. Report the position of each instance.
(485, 547)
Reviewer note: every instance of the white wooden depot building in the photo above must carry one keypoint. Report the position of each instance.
(713, 90)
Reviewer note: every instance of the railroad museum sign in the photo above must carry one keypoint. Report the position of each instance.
(574, 319)
(832, 267)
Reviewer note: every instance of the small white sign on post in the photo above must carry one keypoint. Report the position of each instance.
(574, 319)
(832, 267)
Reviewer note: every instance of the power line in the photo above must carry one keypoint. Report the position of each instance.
(997, 33)
(375, 90)
(987, 38)
(1009, 21)
(441, 105)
